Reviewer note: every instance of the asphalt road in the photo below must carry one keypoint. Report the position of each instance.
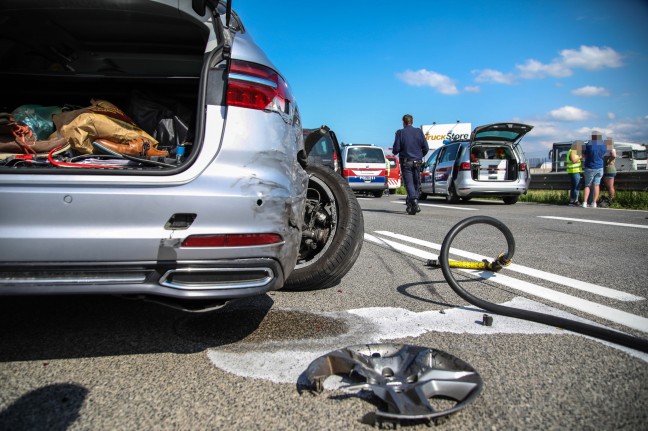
(110, 363)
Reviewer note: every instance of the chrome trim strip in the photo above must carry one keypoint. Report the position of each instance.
(270, 275)
(74, 280)
(254, 79)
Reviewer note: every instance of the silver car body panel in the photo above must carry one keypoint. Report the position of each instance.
(79, 233)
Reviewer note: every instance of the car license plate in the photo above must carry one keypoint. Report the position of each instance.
(368, 179)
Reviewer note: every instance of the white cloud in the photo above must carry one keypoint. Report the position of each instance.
(586, 57)
(472, 89)
(587, 131)
(533, 69)
(629, 130)
(611, 115)
(569, 113)
(491, 75)
(591, 58)
(426, 78)
(590, 91)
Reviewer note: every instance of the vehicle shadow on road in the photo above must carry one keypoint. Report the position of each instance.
(63, 327)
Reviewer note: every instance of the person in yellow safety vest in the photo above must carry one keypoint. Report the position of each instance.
(574, 169)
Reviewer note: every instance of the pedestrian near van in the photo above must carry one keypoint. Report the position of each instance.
(574, 170)
(593, 168)
(609, 168)
(411, 146)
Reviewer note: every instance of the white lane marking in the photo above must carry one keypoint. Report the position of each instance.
(286, 361)
(452, 207)
(593, 308)
(555, 278)
(611, 223)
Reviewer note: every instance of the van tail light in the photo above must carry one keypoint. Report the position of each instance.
(254, 86)
(336, 165)
(232, 240)
(465, 166)
(523, 167)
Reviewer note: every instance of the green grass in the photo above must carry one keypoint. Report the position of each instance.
(622, 199)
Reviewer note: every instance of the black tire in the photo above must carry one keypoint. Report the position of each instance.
(452, 197)
(378, 194)
(510, 200)
(466, 199)
(333, 223)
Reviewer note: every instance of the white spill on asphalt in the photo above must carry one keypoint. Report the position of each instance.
(285, 361)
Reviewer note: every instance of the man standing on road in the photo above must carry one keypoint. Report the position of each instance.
(593, 172)
(411, 146)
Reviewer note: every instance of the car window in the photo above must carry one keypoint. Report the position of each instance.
(365, 155)
(433, 158)
(323, 147)
(505, 134)
(450, 154)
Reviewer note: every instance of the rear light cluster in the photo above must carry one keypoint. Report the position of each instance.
(232, 240)
(523, 167)
(254, 86)
(465, 166)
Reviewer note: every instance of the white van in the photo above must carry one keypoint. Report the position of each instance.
(365, 168)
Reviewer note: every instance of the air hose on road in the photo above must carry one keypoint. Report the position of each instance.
(505, 258)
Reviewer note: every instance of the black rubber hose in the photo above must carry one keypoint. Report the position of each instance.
(547, 319)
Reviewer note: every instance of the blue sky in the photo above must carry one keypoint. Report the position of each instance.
(566, 67)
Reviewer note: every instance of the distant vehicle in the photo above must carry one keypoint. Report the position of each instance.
(323, 148)
(394, 174)
(630, 156)
(490, 164)
(365, 168)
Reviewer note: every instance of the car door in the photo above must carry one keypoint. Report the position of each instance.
(427, 173)
(444, 168)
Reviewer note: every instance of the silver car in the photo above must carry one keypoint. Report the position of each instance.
(491, 164)
(230, 210)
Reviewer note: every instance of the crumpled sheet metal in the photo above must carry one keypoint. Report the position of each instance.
(405, 377)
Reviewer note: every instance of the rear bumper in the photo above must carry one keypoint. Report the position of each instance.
(377, 183)
(199, 280)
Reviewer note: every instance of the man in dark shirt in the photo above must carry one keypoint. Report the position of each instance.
(593, 172)
(411, 146)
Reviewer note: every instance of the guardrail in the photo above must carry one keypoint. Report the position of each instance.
(626, 181)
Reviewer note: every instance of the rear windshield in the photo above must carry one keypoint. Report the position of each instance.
(507, 135)
(365, 155)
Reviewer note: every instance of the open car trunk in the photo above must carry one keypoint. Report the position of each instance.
(493, 163)
(143, 58)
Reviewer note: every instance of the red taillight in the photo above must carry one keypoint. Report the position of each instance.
(254, 86)
(465, 166)
(347, 173)
(522, 166)
(336, 165)
(232, 240)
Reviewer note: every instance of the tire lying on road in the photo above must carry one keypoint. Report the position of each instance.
(332, 234)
